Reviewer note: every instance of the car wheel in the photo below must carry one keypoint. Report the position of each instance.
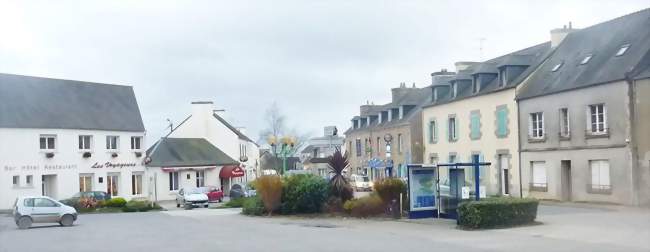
(187, 206)
(178, 205)
(67, 220)
(24, 222)
(206, 205)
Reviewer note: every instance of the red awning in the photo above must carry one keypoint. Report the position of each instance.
(231, 171)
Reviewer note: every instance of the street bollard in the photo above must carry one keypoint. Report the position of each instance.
(394, 211)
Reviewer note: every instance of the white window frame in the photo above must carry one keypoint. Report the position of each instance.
(565, 122)
(109, 145)
(200, 178)
(82, 142)
(136, 183)
(84, 187)
(453, 135)
(590, 121)
(600, 176)
(48, 146)
(539, 174)
(136, 143)
(110, 181)
(174, 181)
(454, 90)
(536, 125)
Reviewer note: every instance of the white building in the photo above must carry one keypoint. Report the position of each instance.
(59, 137)
(204, 149)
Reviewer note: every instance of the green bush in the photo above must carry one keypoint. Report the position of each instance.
(253, 206)
(238, 202)
(389, 189)
(139, 206)
(303, 193)
(115, 202)
(497, 212)
(367, 206)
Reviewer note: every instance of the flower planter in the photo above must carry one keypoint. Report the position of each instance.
(49, 155)
(114, 155)
(87, 154)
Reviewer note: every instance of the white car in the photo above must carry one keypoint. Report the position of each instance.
(360, 183)
(42, 209)
(191, 197)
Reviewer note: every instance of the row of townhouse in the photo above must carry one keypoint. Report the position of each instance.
(60, 137)
(564, 120)
(567, 119)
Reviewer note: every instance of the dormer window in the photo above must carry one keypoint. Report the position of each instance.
(475, 85)
(454, 90)
(556, 67)
(622, 50)
(586, 59)
(502, 78)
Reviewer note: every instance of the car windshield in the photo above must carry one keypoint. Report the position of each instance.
(193, 191)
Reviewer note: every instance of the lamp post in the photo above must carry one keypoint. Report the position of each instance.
(286, 144)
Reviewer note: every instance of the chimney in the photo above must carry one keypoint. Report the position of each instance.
(557, 35)
(202, 108)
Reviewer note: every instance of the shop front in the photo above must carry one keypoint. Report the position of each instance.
(230, 176)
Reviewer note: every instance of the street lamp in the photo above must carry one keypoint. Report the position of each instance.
(388, 138)
(286, 144)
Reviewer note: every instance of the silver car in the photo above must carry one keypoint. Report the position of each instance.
(42, 209)
(191, 197)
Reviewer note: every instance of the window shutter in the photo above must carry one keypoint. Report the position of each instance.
(474, 126)
(435, 131)
(501, 122)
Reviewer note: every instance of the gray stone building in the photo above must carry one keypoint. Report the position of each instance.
(584, 116)
(402, 120)
(315, 155)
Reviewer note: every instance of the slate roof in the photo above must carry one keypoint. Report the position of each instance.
(186, 152)
(531, 57)
(603, 41)
(235, 130)
(45, 103)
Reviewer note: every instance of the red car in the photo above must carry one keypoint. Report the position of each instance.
(213, 192)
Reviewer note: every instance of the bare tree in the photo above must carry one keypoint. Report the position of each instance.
(276, 127)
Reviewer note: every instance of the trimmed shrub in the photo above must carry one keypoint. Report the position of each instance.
(303, 193)
(253, 206)
(333, 205)
(367, 206)
(269, 189)
(139, 206)
(497, 212)
(238, 202)
(115, 202)
(389, 189)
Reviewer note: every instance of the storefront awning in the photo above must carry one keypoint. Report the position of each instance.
(195, 168)
(231, 171)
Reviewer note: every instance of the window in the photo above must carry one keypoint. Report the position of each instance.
(599, 175)
(557, 67)
(43, 202)
(112, 142)
(454, 90)
(85, 183)
(622, 50)
(365, 145)
(502, 121)
(378, 143)
(136, 184)
(16, 180)
(598, 117)
(451, 129)
(399, 143)
(136, 143)
(200, 178)
(539, 176)
(502, 77)
(586, 59)
(475, 84)
(433, 132)
(28, 202)
(536, 125)
(564, 122)
(48, 142)
(84, 142)
(358, 147)
(29, 180)
(173, 181)
(112, 182)
(475, 125)
(452, 158)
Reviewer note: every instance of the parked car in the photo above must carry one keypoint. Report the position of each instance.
(214, 193)
(250, 192)
(236, 191)
(360, 183)
(96, 195)
(42, 209)
(191, 197)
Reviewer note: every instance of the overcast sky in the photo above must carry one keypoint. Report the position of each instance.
(319, 60)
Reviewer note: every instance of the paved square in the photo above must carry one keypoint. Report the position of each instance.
(565, 228)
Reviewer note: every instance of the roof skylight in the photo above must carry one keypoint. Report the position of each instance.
(622, 50)
(586, 59)
(556, 67)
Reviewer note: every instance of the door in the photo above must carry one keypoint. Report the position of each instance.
(112, 182)
(45, 210)
(566, 180)
(505, 174)
(48, 186)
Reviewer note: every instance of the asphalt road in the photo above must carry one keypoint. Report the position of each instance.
(565, 228)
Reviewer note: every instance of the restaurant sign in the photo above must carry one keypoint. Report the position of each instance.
(113, 165)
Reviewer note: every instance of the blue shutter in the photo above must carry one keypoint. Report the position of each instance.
(435, 131)
(475, 126)
(502, 129)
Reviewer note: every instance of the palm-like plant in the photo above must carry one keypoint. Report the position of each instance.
(339, 185)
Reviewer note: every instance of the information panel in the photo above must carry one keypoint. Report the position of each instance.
(422, 187)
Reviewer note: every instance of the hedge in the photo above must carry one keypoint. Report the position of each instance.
(303, 193)
(497, 212)
(253, 206)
